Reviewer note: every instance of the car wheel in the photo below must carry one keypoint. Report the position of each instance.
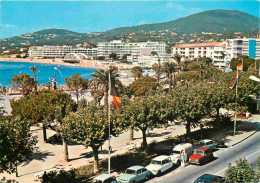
(159, 173)
(178, 163)
(146, 178)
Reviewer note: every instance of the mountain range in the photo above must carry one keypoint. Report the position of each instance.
(217, 21)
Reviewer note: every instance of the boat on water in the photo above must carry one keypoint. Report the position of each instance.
(1, 66)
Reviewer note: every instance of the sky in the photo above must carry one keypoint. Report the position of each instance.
(20, 17)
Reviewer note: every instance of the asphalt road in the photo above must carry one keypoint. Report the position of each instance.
(249, 149)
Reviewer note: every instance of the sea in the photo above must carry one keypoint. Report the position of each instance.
(45, 72)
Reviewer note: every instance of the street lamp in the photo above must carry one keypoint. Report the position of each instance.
(55, 68)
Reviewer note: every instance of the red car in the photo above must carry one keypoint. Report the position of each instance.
(201, 155)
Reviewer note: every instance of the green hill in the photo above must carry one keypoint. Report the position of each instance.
(218, 21)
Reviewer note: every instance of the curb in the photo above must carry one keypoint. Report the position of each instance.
(243, 139)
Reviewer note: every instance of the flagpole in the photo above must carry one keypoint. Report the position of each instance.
(109, 92)
(235, 122)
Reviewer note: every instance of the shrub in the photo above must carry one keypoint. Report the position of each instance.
(59, 177)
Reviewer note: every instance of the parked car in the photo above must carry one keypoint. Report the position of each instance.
(135, 174)
(105, 178)
(209, 178)
(201, 155)
(178, 150)
(160, 164)
(208, 143)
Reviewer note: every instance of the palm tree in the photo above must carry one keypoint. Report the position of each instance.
(159, 66)
(169, 68)
(177, 57)
(34, 70)
(101, 81)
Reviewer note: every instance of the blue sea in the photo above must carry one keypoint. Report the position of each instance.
(45, 74)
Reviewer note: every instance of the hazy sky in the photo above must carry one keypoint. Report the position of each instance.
(19, 17)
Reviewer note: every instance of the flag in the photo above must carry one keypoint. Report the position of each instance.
(235, 81)
(240, 66)
(116, 97)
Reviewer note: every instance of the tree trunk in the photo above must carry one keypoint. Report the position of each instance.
(144, 138)
(170, 81)
(178, 69)
(188, 127)
(159, 68)
(131, 137)
(35, 84)
(77, 96)
(95, 156)
(201, 130)
(44, 133)
(217, 109)
(105, 97)
(66, 152)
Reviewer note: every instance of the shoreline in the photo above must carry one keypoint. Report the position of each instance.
(85, 63)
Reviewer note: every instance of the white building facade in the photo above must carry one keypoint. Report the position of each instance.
(59, 51)
(133, 49)
(246, 46)
(215, 51)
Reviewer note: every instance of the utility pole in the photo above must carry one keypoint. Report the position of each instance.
(109, 92)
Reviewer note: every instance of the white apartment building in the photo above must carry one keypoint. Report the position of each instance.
(214, 50)
(245, 46)
(59, 51)
(134, 49)
(149, 60)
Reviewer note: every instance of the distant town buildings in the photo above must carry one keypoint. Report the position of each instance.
(59, 51)
(134, 49)
(245, 46)
(215, 51)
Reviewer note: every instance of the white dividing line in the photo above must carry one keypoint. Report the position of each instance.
(246, 158)
(221, 171)
(253, 154)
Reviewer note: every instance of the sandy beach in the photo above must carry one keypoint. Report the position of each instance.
(85, 63)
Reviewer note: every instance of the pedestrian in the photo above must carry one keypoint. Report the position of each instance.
(183, 158)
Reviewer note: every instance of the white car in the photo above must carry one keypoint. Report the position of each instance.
(178, 150)
(160, 164)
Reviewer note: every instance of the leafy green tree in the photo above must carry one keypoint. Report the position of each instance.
(143, 85)
(23, 82)
(124, 57)
(247, 61)
(89, 126)
(16, 142)
(191, 103)
(42, 107)
(158, 65)
(206, 61)
(113, 56)
(77, 83)
(241, 172)
(189, 76)
(137, 72)
(100, 81)
(146, 112)
(177, 57)
(169, 68)
(101, 58)
(34, 70)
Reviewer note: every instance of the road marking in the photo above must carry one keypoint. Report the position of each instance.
(220, 171)
(253, 154)
(246, 158)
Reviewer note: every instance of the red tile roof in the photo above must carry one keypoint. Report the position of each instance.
(200, 45)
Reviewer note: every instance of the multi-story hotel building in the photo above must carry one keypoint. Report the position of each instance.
(246, 46)
(59, 51)
(215, 51)
(134, 49)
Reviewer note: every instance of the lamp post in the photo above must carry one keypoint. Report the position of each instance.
(55, 68)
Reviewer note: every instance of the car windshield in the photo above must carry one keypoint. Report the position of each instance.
(156, 162)
(199, 152)
(176, 152)
(129, 171)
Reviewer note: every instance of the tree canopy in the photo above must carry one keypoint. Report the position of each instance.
(16, 142)
(144, 85)
(247, 62)
(24, 82)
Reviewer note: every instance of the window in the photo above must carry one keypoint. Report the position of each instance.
(208, 143)
(139, 171)
(144, 170)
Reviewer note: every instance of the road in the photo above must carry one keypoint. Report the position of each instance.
(249, 149)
